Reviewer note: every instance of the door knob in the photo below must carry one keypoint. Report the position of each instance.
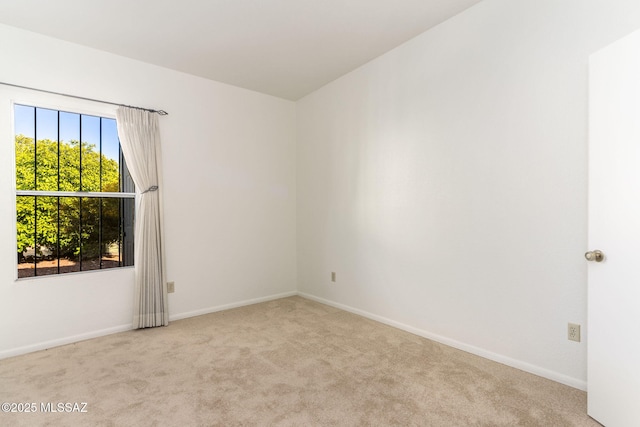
(596, 256)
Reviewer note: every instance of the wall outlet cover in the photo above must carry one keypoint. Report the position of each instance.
(573, 332)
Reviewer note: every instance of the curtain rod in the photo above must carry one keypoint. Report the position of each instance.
(160, 112)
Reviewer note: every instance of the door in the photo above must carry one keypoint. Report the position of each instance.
(614, 228)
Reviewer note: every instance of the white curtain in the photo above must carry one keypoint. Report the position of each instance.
(140, 142)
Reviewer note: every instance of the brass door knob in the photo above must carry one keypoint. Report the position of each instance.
(596, 256)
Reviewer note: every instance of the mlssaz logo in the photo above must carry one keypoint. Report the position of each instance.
(63, 407)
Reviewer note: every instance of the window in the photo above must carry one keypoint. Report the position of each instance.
(74, 196)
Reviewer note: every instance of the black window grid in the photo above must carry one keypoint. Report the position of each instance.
(126, 191)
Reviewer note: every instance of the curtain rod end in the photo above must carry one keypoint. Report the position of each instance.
(162, 113)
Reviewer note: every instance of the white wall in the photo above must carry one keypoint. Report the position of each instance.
(229, 188)
(446, 181)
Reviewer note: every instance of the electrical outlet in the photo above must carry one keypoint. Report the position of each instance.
(573, 332)
(171, 287)
(333, 276)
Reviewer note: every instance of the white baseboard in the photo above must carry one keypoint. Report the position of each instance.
(514, 363)
(232, 305)
(518, 364)
(122, 328)
(63, 341)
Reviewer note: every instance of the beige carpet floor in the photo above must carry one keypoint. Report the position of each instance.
(289, 362)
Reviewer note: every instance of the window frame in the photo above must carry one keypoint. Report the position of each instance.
(69, 105)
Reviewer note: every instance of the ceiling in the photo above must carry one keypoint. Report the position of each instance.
(285, 48)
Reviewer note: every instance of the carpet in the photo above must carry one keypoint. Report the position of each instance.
(288, 362)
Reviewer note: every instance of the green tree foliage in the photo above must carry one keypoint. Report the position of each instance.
(51, 175)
